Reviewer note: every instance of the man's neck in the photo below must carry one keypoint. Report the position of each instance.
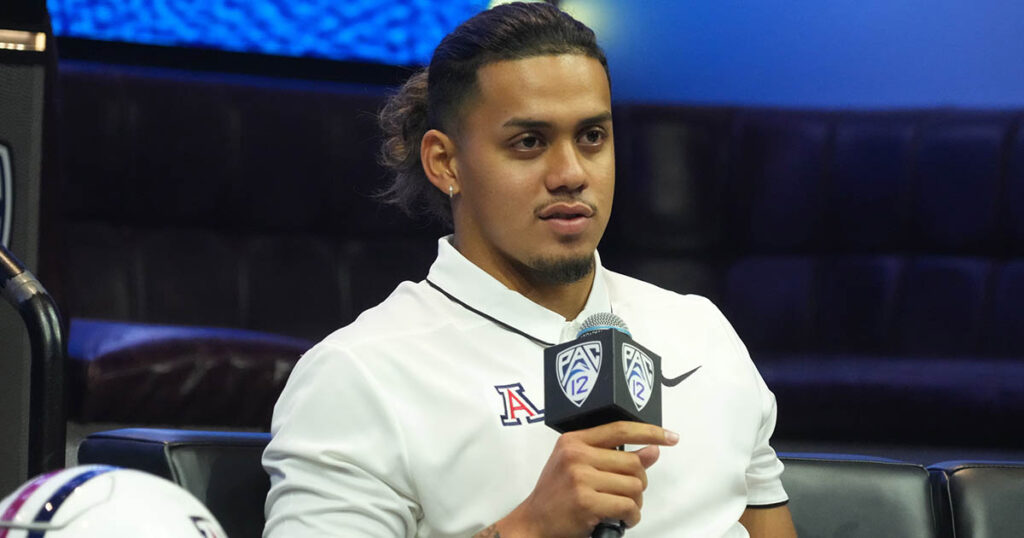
(565, 299)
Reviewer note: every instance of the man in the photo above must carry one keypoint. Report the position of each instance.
(425, 416)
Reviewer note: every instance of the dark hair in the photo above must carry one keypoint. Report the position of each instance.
(434, 97)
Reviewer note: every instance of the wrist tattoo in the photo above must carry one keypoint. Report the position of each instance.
(489, 532)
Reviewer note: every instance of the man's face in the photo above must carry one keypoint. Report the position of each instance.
(535, 167)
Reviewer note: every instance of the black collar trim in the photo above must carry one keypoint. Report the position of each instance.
(496, 321)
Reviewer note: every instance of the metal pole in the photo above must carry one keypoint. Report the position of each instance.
(47, 412)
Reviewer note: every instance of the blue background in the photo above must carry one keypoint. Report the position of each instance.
(402, 32)
(800, 53)
(813, 53)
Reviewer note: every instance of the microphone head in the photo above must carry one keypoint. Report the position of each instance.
(600, 377)
(602, 321)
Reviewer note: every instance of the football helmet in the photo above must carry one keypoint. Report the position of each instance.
(93, 501)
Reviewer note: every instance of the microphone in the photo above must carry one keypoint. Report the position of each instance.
(602, 376)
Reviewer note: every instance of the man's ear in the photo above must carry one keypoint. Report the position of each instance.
(437, 153)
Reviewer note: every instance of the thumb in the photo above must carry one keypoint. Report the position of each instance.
(648, 455)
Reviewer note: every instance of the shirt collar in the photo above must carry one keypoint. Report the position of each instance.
(462, 279)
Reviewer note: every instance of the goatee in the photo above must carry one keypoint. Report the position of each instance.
(561, 270)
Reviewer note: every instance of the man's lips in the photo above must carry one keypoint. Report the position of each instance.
(568, 219)
(565, 210)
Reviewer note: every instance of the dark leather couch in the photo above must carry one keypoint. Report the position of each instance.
(871, 260)
(847, 495)
(980, 499)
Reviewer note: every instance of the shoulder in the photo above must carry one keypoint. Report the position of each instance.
(408, 309)
(411, 316)
(669, 319)
(357, 366)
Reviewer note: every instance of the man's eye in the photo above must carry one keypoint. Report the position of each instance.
(528, 142)
(592, 137)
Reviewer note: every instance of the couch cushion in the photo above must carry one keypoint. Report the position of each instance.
(778, 181)
(770, 301)
(943, 306)
(983, 498)
(870, 172)
(856, 300)
(1013, 196)
(958, 181)
(857, 496)
(1005, 332)
(671, 178)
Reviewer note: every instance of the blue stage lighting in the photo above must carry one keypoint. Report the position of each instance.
(400, 32)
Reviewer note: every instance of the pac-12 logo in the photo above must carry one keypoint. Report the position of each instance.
(639, 371)
(6, 198)
(578, 367)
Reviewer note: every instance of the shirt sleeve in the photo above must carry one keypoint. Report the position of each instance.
(764, 474)
(336, 459)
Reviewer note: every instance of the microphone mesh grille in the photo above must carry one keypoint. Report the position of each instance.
(604, 319)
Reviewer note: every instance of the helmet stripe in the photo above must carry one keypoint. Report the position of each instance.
(51, 506)
(22, 498)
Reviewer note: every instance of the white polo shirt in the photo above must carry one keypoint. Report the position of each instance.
(424, 417)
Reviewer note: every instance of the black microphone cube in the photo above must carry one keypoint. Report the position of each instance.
(601, 377)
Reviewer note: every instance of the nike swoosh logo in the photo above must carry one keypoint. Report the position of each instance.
(677, 380)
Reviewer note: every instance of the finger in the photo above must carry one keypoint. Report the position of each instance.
(623, 432)
(648, 455)
(618, 484)
(614, 507)
(618, 462)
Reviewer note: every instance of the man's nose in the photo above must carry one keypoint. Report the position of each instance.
(566, 170)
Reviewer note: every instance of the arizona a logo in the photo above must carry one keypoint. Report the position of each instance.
(6, 205)
(517, 406)
(577, 370)
(639, 371)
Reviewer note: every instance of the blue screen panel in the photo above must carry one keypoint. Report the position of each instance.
(399, 32)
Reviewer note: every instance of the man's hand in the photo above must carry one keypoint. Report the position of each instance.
(587, 480)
